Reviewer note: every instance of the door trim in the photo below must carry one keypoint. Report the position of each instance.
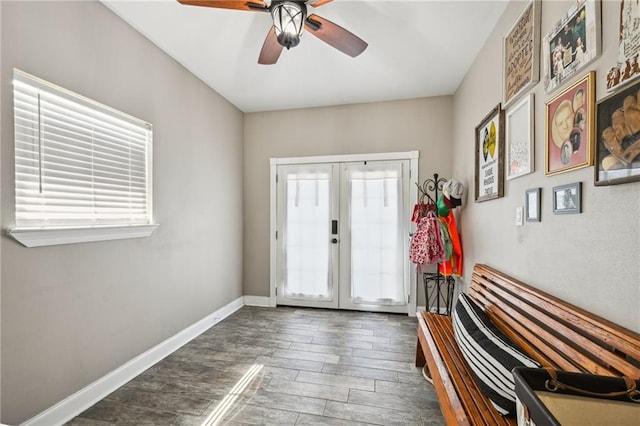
(413, 156)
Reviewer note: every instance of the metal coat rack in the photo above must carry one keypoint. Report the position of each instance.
(438, 288)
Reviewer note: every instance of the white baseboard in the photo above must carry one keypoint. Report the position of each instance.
(257, 301)
(75, 404)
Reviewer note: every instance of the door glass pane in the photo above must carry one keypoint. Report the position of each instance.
(375, 203)
(307, 228)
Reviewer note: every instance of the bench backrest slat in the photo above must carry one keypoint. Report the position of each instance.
(543, 337)
(523, 334)
(530, 343)
(618, 337)
(555, 332)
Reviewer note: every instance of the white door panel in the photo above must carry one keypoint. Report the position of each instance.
(373, 238)
(306, 206)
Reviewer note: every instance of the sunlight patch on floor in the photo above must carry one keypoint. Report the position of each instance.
(227, 402)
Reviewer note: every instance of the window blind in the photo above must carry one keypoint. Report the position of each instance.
(77, 163)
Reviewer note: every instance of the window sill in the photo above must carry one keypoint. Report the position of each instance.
(50, 237)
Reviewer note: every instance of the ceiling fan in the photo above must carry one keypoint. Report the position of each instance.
(289, 19)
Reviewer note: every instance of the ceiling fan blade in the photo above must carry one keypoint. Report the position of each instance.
(319, 3)
(271, 49)
(250, 5)
(333, 34)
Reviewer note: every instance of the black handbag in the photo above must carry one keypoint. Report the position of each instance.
(545, 396)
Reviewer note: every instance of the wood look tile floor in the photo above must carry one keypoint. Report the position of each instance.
(282, 366)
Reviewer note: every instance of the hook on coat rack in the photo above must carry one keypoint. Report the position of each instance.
(431, 186)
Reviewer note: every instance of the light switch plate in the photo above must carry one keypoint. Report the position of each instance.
(519, 215)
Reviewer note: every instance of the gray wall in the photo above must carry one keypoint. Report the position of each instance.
(72, 313)
(416, 124)
(590, 259)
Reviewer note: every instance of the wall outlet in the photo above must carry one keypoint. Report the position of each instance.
(519, 215)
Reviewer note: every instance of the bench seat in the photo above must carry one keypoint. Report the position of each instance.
(460, 397)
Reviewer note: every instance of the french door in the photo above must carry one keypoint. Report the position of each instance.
(342, 235)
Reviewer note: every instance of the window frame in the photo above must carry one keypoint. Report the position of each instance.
(44, 234)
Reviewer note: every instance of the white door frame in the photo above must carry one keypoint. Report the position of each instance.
(412, 156)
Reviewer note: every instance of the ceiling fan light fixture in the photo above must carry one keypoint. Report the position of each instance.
(288, 20)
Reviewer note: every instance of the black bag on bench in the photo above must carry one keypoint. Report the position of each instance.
(545, 396)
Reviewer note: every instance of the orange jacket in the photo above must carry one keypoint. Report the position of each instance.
(452, 266)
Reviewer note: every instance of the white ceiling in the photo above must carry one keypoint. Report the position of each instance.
(416, 49)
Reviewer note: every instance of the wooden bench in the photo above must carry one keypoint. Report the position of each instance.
(553, 332)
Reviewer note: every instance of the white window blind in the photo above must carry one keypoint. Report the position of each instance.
(77, 163)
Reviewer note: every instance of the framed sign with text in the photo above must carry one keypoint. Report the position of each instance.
(489, 175)
(521, 54)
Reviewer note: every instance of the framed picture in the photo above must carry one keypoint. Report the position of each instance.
(489, 181)
(573, 42)
(520, 54)
(618, 138)
(532, 204)
(626, 68)
(569, 127)
(519, 140)
(567, 199)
